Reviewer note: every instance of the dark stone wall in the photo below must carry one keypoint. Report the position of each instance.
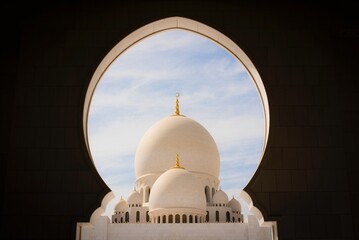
(307, 55)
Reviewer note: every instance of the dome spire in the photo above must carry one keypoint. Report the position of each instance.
(177, 162)
(177, 105)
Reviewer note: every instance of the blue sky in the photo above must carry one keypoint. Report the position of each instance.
(139, 89)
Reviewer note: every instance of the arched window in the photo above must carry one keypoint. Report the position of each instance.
(170, 219)
(115, 220)
(147, 193)
(207, 217)
(233, 219)
(217, 216)
(220, 205)
(127, 217)
(184, 218)
(147, 217)
(207, 191)
(228, 217)
(164, 219)
(142, 194)
(137, 216)
(195, 219)
(190, 219)
(239, 220)
(177, 218)
(121, 219)
(158, 219)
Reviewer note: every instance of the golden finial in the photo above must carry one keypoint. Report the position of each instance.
(177, 162)
(177, 105)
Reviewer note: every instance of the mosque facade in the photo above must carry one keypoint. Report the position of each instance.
(177, 194)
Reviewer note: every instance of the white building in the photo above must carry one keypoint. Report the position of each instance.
(177, 193)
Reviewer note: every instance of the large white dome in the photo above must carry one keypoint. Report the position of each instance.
(177, 188)
(177, 134)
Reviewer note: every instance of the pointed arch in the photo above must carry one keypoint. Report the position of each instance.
(170, 219)
(138, 216)
(228, 217)
(184, 218)
(162, 25)
(207, 191)
(176, 23)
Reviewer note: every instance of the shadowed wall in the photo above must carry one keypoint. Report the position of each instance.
(307, 56)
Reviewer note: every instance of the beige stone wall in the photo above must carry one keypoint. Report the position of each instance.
(226, 231)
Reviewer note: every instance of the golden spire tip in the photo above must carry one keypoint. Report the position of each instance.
(177, 105)
(177, 162)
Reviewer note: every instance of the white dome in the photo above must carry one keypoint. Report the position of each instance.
(220, 197)
(177, 188)
(235, 205)
(134, 198)
(121, 205)
(177, 134)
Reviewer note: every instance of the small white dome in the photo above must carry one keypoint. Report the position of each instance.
(121, 205)
(134, 198)
(177, 188)
(220, 197)
(177, 134)
(235, 205)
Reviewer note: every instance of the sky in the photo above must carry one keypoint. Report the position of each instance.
(139, 88)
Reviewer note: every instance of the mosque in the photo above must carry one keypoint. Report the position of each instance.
(177, 194)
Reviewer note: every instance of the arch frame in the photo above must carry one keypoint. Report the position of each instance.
(184, 24)
(197, 28)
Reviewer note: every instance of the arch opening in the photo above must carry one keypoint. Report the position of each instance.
(209, 34)
(170, 219)
(184, 24)
(208, 193)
